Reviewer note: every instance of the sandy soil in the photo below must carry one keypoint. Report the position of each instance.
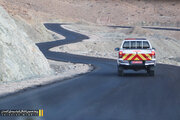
(103, 40)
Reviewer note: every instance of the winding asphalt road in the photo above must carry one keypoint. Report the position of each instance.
(101, 94)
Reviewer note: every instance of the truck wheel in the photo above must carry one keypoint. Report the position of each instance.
(150, 71)
(120, 71)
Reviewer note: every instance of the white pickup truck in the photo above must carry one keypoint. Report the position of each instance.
(136, 54)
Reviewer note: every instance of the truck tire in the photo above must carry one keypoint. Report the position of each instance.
(150, 71)
(120, 71)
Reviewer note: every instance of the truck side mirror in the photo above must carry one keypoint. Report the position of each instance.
(154, 48)
(117, 49)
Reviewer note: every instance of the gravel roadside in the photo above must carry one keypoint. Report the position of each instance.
(62, 70)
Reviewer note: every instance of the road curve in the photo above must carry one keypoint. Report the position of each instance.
(101, 94)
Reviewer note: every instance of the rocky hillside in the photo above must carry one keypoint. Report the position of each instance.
(20, 58)
(103, 12)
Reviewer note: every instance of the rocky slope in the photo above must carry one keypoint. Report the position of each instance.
(103, 12)
(20, 58)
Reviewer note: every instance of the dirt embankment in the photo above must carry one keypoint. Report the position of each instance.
(20, 58)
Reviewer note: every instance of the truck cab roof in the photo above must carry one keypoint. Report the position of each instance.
(135, 39)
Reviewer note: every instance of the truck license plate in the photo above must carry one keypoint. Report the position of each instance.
(136, 62)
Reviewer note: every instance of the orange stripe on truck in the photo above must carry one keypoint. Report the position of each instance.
(137, 57)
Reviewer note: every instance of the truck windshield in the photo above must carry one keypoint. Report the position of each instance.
(136, 45)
